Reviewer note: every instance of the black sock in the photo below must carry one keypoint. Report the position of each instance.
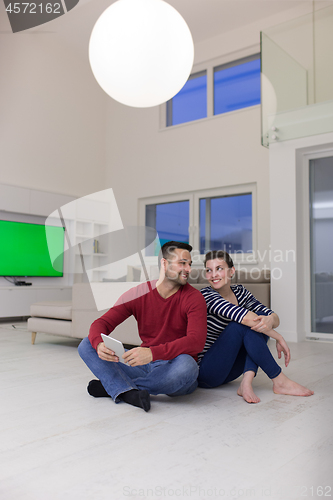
(134, 397)
(96, 389)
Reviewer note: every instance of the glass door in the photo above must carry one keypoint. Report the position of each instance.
(321, 244)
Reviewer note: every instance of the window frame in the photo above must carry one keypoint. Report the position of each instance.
(209, 66)
(194, 216)
(303, 221)
(169, 103)
(232, 64)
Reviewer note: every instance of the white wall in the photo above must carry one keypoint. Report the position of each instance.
(221, 151)
(52, 122)
(289, 222)
(59, 131)
(144, 160)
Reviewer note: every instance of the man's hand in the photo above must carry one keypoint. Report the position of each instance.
(138, 356)
(282, 346)
(105, 353)
(264, 324)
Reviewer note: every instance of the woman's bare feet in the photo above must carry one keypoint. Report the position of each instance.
(283, 385)
(245, 389)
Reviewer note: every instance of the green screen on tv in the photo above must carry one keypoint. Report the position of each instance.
(25, 250)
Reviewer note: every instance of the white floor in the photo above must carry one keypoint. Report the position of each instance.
(58, 443)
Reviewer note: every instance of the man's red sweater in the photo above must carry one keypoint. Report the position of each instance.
(172, 326)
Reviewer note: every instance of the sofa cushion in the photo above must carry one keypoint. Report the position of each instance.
(61, 309)
(114, 280)
(202, 277)
(197, 275)
(253, 275)
(261, 291)
(53, 326)
(136, 274)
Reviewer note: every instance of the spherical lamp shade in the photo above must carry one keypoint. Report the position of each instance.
(141, 52)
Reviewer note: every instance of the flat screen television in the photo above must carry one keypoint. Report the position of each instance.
(26, 249)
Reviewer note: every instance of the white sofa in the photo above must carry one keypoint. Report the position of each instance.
(73, 318)
(91, 300)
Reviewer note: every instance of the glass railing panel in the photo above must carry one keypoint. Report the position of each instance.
(280, 90)
(323, 59)
(297, 75)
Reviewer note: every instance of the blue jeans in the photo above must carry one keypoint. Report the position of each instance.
(237, 350)
(174, 377)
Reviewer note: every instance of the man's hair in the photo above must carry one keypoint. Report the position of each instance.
(169, 247)
(219, 254)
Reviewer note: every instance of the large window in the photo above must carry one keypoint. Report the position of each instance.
(212, 219)
(171, 221)
(219, 88)
(226, 223)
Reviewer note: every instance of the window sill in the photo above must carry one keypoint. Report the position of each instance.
(207, 118)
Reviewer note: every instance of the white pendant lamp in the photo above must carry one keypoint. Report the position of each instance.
(141, 52)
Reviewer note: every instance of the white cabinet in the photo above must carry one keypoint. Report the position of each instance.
(14, 199)
(30, 201)
(16, 300)
(44, 203)
(87, 233)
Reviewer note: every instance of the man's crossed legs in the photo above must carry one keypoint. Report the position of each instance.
(134, 384)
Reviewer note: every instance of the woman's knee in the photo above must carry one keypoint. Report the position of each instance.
(237, 328)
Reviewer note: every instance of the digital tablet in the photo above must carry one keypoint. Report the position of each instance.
(115, 345)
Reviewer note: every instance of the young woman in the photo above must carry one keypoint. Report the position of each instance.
(238, 329)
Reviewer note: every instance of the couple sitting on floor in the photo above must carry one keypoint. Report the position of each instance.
(190, 338)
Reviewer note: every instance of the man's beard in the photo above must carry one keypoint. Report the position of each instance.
(176, 277)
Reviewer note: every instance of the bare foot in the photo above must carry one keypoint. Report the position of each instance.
(283, 385)
(245, 389)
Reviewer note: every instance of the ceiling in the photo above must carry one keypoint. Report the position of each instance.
(206, 18)
(209, 18)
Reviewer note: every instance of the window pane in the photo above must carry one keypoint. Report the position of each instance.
(321, 244)
(237, 86)
(171, 220)
(226, 223)
(191, 101)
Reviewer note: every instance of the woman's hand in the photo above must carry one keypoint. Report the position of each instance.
(266, 323)
(282, 347)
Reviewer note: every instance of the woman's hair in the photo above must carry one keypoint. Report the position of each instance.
(219, 254)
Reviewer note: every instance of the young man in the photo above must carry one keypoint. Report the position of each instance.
(172, 324)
